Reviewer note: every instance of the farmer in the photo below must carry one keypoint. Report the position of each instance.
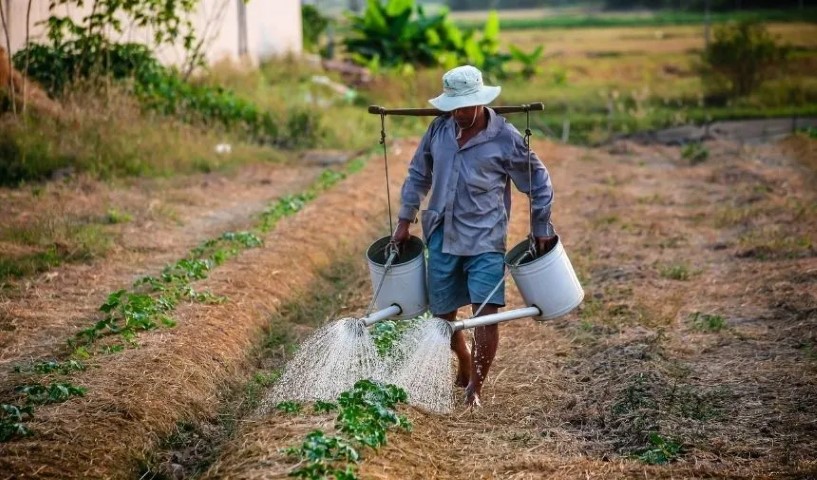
(467, 159)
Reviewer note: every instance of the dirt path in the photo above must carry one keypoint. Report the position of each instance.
(169, 218)
(696, 339)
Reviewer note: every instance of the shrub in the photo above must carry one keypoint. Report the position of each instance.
(741, 57)
(398, 32)
(313, 25)
(162, 90)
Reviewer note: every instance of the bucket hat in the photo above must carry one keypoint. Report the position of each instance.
(463, 87)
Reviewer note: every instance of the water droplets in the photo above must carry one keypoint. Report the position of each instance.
(330, 362)
(343, 352)
(423, 366)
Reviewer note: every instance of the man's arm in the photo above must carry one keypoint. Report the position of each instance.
(533, 179)
(415, 188)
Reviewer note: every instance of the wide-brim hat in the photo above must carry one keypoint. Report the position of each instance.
(463, 87)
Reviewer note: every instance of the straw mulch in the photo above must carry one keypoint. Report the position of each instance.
(655, 240)
(137, 397)
(170, 216)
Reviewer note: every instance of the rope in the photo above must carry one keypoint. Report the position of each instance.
(386, 163)
(528, 134)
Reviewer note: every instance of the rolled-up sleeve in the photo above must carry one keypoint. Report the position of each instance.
(418, 181)
(534, 181)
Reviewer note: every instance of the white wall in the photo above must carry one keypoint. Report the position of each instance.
(273, 28)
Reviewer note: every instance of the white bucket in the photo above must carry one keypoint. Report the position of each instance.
(405, 282)
(548, 282)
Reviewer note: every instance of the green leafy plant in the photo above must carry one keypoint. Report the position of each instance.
(313, 25)
(291, 204)
(320, 449)
(38, 394)
(51, 366)
(398, 33)
(385, 334)
(12, 421)
(365, 413)
(80, 47)
(165, 90)
(288, 407)
(529, 61)
(663, 450)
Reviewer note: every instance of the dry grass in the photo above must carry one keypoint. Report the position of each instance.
(804, 149)
(102, 131)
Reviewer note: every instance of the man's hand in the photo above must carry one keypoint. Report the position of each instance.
(545, 244)
(401, 233)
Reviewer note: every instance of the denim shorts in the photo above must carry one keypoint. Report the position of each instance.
(455, 281)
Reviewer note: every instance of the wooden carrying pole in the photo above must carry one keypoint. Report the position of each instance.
(433, 112)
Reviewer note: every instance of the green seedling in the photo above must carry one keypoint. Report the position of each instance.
(114, 216)
(663, 450)
(292, 204)
(58, 392)
(51, 366)
(695, 152)
(704, 322)
(318, 447)
(289, 407)
(12, 421)
(676, 272)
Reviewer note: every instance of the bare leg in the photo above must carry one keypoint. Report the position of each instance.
(461, 351)
(483, 351)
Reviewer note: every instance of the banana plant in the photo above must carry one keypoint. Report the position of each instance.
(399, 32)
(529, 61)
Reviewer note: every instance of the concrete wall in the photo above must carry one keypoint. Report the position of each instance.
(273, 27)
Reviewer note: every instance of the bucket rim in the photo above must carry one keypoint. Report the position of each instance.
(415, 247)
(522, 246)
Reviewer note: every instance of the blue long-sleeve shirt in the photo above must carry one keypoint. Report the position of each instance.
(471, 185)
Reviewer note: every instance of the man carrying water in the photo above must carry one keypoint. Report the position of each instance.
(467, 159)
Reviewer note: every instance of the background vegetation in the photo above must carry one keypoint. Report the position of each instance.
(652, 72)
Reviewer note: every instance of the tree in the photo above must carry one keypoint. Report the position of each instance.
(742, 56)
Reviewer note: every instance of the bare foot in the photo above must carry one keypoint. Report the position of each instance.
(472, 397)
(462, 379)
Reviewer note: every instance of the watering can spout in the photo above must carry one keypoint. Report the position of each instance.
(495, 318)
(380, 315)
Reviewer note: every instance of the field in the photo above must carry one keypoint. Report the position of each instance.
(145, 315)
